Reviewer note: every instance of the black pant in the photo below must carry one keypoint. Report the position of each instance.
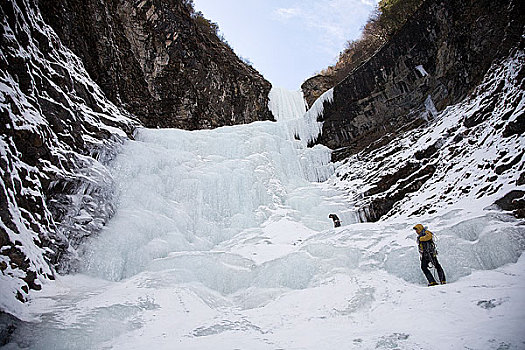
(430, 258)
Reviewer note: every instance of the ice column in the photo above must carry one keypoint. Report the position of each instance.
(289, 108)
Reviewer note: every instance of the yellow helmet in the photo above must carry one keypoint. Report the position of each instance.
(418, 228)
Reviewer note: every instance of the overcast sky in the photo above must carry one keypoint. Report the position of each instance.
(288, 41)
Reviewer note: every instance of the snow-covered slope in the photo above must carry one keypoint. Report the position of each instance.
(222, 240)
(467, 157)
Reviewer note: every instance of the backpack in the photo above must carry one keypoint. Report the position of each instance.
(427, 247)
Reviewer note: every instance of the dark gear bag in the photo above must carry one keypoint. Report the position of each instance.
(427, 248)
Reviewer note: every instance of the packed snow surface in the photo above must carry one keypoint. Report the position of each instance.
(222, 240)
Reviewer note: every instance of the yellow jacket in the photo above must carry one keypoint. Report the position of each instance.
(424, 239)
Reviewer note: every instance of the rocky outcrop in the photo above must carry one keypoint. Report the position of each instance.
(513, 201)
(435, 60)
(57, 129)
(315, 86)
(410, 121)
(152, 58)
(451, 162)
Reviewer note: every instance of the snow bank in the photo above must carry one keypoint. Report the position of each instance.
(334, 291)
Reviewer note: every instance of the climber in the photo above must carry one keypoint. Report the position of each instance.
(335, 218)
(428, 254)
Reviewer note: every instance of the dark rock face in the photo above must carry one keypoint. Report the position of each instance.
(151, 58)
(315, 86)
(513, 201)
(434, 61)
(56, 130)
(450, 161)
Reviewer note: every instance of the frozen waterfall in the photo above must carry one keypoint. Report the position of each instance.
(221, 240)
(182, 191)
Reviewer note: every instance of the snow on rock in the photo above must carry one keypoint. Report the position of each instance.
(56, 133)
(324, 296)
(422, 70)
(312, 128)
(468, 157)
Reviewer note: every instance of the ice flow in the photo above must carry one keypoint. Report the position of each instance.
(182, 191)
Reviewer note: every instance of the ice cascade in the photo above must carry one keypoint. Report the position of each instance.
(191, 191)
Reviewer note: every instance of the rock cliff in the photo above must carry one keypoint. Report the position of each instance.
(410, 121)
(435, 60)
(472, 155)
(57, 130)
(315, 86)
(153, 58)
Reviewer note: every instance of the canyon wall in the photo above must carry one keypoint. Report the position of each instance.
(435, 60)
(154, 59)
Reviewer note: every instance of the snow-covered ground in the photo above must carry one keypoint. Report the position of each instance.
(222, 241)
